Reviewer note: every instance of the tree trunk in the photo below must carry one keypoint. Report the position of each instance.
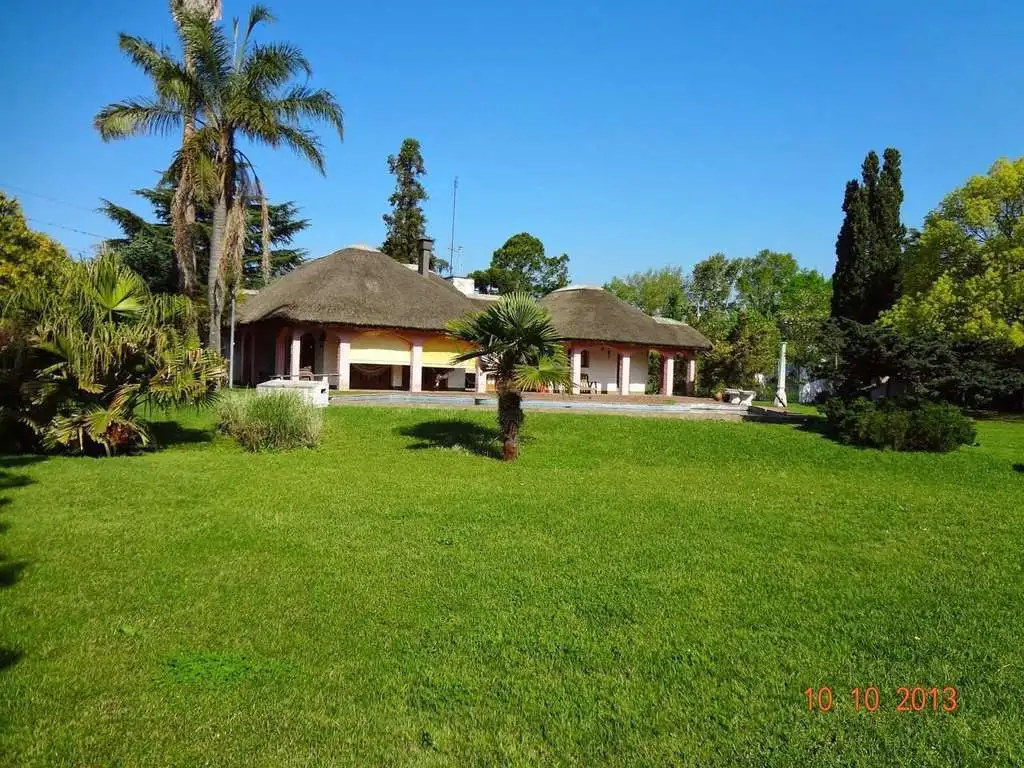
(510, 418)
(215, 286)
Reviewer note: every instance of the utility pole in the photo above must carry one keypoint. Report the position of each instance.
(451, 245)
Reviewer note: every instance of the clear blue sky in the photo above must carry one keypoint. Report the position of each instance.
(629, 135)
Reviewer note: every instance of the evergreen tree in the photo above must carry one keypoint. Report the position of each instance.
(406, 223)
(870, 243)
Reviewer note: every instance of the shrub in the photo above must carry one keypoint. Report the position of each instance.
(86, 351)
(901, 425)
(274, 421)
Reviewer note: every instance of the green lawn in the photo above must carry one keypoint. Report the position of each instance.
(632, 592)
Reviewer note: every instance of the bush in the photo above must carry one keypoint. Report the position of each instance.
(274, 421)
(901, 425)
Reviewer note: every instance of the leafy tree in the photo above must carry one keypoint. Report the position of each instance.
(762, 280)
(406, 223)
(965, 269)
(25, 255)
(81, 358)
(749, 348)
(869, 247)
(236, 89)
(802, 317)
(520, 265)
(656, 291)
(516, 342)
(147, 247)
(712, 285)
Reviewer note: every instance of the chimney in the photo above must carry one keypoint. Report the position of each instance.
(426, 247)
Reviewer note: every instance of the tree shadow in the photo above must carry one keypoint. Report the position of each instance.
(1018, 467)
(10, 570)
(456, 434)
(9, 657)
(168, 433)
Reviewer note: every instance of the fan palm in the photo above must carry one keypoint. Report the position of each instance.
(516, 342)
(97, 347)
(236, 90)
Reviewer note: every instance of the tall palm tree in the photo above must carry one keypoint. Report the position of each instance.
(183, 210)
(516, 342)
(239, 90)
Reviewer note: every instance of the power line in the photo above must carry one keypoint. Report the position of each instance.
(24, 191)
(70, 229)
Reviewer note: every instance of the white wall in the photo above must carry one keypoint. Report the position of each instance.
(604, 362)
(638, 371)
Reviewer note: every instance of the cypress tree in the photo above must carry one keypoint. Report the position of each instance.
(406, 223)
(870, 243)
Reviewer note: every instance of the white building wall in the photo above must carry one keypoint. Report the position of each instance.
(603, 367)
(638, 360)
(330, 361)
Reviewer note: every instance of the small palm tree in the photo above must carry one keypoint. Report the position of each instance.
(236, 90)
(516, 342)
(95, 348)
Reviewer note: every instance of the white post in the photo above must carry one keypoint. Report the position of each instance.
(577, 369)
(296, 353)
(416, 367)
(624, 376)
(691, 374)
(668, 373)
(481, 379)
(241, 356)
(344, 368)
(279, 352)
(780, 391)
(231, 342)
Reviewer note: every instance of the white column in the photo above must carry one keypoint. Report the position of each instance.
(668, 372)
(577, 369)
(344, 356)
(243, 343)
(279, 352)
(691, 374)
(416, 367)
(624, 375)
(481, 379)
(296, 353)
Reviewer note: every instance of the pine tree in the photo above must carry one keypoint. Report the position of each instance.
(890, 234)
(406, 223)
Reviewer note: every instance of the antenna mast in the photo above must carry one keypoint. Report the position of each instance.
(451, 246)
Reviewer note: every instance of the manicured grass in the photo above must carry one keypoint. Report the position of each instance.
(633, 592)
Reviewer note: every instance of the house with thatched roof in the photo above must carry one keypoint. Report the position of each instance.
(365, 321)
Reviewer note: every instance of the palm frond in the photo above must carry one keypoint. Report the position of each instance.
(137, 117)
(302, 103)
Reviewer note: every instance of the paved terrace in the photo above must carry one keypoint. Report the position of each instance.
(626, 405)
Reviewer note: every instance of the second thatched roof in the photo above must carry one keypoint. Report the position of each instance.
(588, 313)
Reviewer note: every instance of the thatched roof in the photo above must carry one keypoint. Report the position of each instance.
(358, 286)
(593, 314)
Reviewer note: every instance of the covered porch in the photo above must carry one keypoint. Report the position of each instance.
(354, 358)
(614, 369)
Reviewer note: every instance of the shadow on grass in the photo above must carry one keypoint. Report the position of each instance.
(168, 433)
(10, 570)
(1018, 467)
(455, 435)
(9, 657)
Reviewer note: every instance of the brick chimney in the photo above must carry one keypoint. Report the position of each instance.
(426, 248)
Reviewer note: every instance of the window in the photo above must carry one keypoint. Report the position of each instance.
(585, 359)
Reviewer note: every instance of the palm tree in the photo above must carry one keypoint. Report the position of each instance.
(183, 210)
(516, 342)
(95, 348)
(236, 90)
